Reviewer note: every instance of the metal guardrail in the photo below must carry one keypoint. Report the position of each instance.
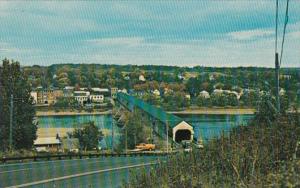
(80, 156)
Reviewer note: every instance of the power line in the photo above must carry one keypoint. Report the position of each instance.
(276, 29)
(284, 30)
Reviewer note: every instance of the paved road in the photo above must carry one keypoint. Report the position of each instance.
(95, 172)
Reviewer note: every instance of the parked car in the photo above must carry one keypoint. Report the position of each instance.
(145, 147)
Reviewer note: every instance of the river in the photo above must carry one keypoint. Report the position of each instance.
(205, 126)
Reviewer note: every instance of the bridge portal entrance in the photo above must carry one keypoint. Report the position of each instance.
(182, 134)
(183, 131)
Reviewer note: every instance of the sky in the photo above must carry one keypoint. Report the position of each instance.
(182, 33)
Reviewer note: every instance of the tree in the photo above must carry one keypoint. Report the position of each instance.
(88, 136)
(135, 130)
(250, 98)
(218, 99)
(150, 98)
(232, 99)
(65, 102)
(203, 101)
(13, 82)
(266, 110)
(175, 101)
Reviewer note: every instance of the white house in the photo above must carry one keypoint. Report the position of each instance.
(156, 92)
(97, 89)
(83, 89)
(142, 78)
(188, 96)
(282, 92)
(33, 94)
(101, 91)
(123, 90)
(204, 94)
(97, 98)
(127, 78)
(47, 144)
(220, 91)
(81, 96)
(238, 96)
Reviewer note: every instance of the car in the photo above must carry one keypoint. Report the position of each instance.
(145, 147)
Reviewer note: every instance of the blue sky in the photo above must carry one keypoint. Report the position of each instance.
(182, 33)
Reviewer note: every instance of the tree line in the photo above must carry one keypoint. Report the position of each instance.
(189, 80)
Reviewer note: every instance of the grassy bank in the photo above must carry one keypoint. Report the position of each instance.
(70, 113)
(261, 154)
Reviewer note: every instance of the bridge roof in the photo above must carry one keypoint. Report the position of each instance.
(155, 112)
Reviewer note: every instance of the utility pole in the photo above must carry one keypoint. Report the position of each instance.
(126, 139)
(167, 130)
(277, 82)
(11, 121)
(112, 135)
(277, 66)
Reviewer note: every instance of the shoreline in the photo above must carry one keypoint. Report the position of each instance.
(69, 113)
(216, 111)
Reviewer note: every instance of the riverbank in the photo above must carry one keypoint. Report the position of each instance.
(215, 111)
(184, 112)
(70, 113)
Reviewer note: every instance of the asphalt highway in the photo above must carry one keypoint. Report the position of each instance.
(94, 172)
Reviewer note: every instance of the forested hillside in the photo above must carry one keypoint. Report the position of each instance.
(182, 81)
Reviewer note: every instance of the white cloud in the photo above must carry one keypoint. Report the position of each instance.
(117, 41)
(294, 35)
(250, 34)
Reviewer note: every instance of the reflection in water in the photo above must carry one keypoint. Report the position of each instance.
(209, 126)
(104, 122)
(205, 126)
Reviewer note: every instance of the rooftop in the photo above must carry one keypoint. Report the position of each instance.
(46, 140)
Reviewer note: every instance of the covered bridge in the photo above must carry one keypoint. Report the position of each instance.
(178, 129)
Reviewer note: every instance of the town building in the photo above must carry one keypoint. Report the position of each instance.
(54, 95)
(50, 144)
(221, 91)
(286, 76)
(68, 91)
(97, 98)
(218, 91)
(142, 78)
(81, 97)
(33, 94)
(282, 92)
(204, 94)
(156, 92)
(113, 92)
(188, 96)
(123, 90)
(101, 91)
(48, 95)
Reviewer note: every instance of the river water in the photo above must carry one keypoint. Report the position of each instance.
(205, 126)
